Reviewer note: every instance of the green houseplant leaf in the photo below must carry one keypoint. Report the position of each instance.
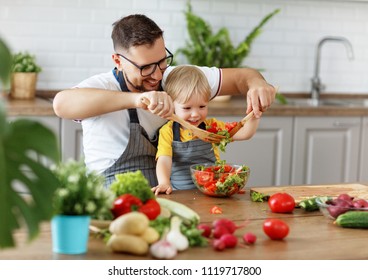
(208, 49)
(25, 62)
(22, 143)
(6, 63)
(204, 48)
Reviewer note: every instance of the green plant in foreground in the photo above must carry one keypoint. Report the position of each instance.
(25, 62)
(6, 63)
(81, 192)
(21, 143)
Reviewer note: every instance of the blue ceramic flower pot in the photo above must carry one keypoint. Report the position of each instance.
(70, 234)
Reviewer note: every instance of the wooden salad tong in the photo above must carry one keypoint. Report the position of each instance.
(200, 133)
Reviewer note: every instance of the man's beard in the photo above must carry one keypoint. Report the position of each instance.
(139, 88)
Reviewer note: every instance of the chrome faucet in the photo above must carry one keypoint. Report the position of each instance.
(317, 86)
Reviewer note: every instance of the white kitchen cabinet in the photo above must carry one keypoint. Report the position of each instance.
(325, 150)
(267, 153)
(363, 161)
(71, 140)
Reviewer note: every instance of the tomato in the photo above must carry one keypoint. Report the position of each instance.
(210, 186)
(213, 128)
(275, 229)
(204, 177)
(281, 203)
(151, 209)
(216, 210)
(230, 125)
(124, 204)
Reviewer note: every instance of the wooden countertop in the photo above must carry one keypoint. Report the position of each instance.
(311, 237)
(34, 107)
(42, 106)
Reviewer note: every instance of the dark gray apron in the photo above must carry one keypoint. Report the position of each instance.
(140, 152)
(184, 155)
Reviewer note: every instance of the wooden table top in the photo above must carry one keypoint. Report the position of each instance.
(311, 237)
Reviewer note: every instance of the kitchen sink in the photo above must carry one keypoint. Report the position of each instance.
(308, 102)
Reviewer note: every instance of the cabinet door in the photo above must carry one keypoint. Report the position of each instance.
(326, 150)
(363, 170)
(267, 153)
(71, 140)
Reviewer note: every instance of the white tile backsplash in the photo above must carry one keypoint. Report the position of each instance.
(72, 38)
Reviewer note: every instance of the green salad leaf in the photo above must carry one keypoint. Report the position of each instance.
(133, 183)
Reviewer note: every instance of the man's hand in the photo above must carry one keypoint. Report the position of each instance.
(160, 103)
(260, 98)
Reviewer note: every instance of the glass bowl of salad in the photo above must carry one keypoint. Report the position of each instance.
(220, 179)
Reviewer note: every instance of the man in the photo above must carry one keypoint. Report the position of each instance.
(119, 130)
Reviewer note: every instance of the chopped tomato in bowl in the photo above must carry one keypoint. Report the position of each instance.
(220, 179)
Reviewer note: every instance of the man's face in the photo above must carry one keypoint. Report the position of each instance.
(140, 56)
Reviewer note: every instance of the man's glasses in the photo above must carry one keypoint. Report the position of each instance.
(149, 69)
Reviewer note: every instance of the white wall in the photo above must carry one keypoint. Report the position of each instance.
(72, 38)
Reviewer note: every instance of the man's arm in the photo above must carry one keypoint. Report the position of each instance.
(81, 103)
(260, 94)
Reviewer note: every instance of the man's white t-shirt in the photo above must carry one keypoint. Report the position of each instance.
(105, 137)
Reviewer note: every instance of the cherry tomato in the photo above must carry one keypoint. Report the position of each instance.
(151, 209)
(230, 125)
(124, 204)
(281, 203)
(275, 229)
(216, 210)
(213, 128)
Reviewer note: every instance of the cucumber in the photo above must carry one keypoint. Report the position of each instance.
(188, 215)
(353, 219)
(311, 203)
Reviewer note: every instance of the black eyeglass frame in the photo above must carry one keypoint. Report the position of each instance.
(155, 63)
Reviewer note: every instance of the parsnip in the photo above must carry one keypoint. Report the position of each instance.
(150, 235)
(124, 243)
(131, 223)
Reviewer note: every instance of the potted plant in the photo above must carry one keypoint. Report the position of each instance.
(24, 76)
(79, 197)
(206, 48)
(21, 142)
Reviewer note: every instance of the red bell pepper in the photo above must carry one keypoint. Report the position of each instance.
(127, 203)
(124, 204)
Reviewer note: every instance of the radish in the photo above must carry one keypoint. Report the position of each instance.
(219, 230)
(345, 196)
(249, 238)
(229, 240)
(218, 245)
(206, 230)
(230, 225)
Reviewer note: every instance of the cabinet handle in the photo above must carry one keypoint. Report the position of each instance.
(345, 124)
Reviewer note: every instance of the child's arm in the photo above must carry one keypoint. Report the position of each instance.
(163, 172)
(248, 130)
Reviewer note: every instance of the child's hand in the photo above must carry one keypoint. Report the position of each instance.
(162, 188)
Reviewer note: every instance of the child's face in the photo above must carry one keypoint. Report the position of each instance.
(194, 111)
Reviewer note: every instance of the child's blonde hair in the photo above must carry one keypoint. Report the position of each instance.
(187, 81)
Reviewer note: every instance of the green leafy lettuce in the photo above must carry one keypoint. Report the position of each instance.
(133, 183)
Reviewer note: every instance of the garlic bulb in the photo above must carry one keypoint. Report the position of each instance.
(175, 237)
(163, 249)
